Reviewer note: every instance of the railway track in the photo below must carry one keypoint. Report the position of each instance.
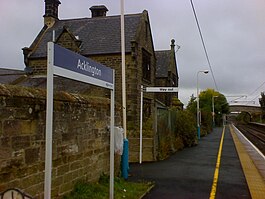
(255, 133)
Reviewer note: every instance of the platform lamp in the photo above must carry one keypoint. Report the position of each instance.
(198, 103)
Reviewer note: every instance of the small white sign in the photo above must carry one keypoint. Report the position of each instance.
(162, 89)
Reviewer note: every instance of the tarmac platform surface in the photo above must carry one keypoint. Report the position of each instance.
(191, 173)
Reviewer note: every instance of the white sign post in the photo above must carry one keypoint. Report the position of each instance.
(65, 63)
(150, 90)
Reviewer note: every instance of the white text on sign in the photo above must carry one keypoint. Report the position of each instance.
(162, 89)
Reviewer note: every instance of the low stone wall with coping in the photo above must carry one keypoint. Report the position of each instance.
(81, 139)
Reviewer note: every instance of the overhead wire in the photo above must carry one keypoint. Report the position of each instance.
(257, 89)
(255, 92)
(253, 100)
(204, 46)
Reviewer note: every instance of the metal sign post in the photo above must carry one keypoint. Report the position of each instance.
(65, 63)
(49, 129)
(150, 90)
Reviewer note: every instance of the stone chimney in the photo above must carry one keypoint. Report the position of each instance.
(172, 53)
(98, 11)
(51, 12)
(173, 45)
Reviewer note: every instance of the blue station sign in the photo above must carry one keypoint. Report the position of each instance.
(65, 63)
(65, 60)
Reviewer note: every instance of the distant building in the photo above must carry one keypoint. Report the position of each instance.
(166, 73)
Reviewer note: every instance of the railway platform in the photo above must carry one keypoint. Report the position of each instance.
(218, 167)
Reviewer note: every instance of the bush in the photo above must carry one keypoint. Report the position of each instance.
(186, 127)
(164, 147)
(206, 123)
(164, 135)
(243, 118)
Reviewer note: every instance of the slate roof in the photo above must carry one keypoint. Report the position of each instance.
(7, 76)
(60, 84)
(18, 77)
(162, 63)
(99, 35)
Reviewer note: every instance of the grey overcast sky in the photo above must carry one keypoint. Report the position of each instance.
(233, 31)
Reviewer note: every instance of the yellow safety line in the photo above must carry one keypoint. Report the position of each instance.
(255, 182)
(216, 173)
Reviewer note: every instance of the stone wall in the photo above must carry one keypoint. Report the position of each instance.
(245, 108)
(148, 150)
(38, 65)
(80, 139)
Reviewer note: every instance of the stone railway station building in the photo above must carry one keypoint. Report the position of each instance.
(98, 38)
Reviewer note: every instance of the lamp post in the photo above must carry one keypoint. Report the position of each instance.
(125, 154)
(198, 103)
(213, 109)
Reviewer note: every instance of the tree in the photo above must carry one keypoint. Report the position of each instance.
(206, 97)
(192, 104)
(210, 97)
(220, 103)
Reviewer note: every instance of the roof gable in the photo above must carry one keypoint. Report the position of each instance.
(73, 41)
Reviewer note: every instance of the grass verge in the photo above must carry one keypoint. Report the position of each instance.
(100, 190)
